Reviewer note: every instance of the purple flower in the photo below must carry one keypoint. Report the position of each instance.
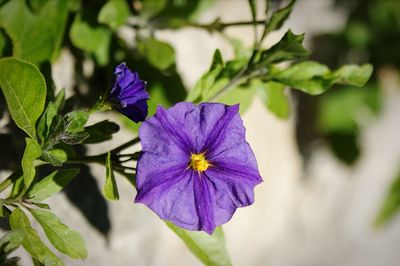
(196, 168)
(128, 94)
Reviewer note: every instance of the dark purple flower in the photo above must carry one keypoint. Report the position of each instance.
(196, 168)
(128, 94)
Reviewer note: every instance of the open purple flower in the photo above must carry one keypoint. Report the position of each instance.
(128, 94)
(196, 168)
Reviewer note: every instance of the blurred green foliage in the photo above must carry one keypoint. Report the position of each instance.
(371, 34)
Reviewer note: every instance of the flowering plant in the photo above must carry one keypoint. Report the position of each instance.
(195, 167)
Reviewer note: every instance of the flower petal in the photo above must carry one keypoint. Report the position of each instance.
(137, 112)
(207, 124)
(204, 204)
(173, 199)
(174, 129)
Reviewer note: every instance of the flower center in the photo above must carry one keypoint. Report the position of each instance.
(198, 162)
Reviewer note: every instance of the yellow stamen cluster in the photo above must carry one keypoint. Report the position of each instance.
(198, 162)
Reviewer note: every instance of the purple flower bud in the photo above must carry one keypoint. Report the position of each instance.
(196, 168)
(128, 94)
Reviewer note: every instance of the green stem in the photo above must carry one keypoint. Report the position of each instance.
(220, 26)
(213, 26)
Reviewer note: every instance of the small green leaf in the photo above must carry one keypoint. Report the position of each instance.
(55, 157)
(38, 36)
(275, 99)
(391, 204)
(93, 40)
(114, 13)
(217, 60)
(288, 48)
(159, 54)
(76, 121)
(206, 82)
(278, 18)
(210, 249)
(51, 184)
(197, 94)
(32, 152)
(74, 139)
(101, 131)
(32, 242)
(11, 241)
(110, 189)
(354, 75)
(152, 7)
(25, 91)
(63, 238)
(46, 120)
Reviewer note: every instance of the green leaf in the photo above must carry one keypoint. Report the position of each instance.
(51, 184)
(38, 36)
(110, 189)
(63, 238)
(93, 40)
(55, 157)
(25, 91)
(278, 18)
(18, 219)
(354, 75)
(114, 13)
(152, 7)
(32, 152)
(159, 54)
(391, 204)
(308, 76)
(275, 99)
(32, 242)
(101, 131)
(210, 249)
(288, 48)
(314, 78)
(76, 121)
(41, 205)
(11, 241)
